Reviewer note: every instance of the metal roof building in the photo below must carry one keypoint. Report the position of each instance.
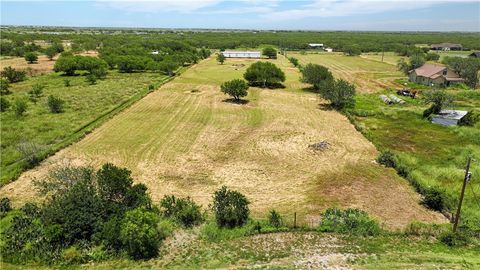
(241, 54)
(448, 117)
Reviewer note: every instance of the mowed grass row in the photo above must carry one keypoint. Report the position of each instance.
(187, 139)
(84, 103)
(368, 75)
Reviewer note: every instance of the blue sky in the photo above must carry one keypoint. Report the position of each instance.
(390, 15)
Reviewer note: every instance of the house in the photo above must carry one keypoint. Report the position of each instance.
(430, 74)
(446, 47)
(448, 117)
(316, 45)
(241, 54)
(474, 55)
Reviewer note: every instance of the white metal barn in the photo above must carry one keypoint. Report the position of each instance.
(240, 54)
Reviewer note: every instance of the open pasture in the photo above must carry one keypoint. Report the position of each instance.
(84, 103)
(42, 66)
(368, 75)
(187, 139)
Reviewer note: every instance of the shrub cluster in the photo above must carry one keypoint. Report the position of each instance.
(182, 210)
(351, 221)
(230, 208)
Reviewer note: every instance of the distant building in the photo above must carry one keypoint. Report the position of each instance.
(240, 54)
(328, 49)
(448, 117)
(429, 74)
(155, 52)
(474, 55)
(446, 47)
(316, 45)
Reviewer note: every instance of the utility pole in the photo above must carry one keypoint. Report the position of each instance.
(465, 179)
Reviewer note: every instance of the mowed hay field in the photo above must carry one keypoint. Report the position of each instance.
(185, 139)
(366, 72)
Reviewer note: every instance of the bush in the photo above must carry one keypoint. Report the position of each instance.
(36, 92)
(230, 208)
(434, 199)
(470, 119)
(4, 104)
(456, 239)
(221, 58)
(315, 74)
(20, 106)
(31, 57)
(4, 87)
(5, 206)
(270, 52)
(151, 87)
(294, 61)
(66, 82)
(182, 210)
(55, 104)
(274, 219)
(13, 75)
(91, 79)
(139, 234)
(387, 158)
(432, 56)
(236, 88)
(351, 221)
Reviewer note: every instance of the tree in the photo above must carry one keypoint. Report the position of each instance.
(55, 104)
(50, 52)
(236, 88)
(230, 208)
(20, 106)
(270, 52)
(66, 64)
(13, 75)
(314, 74)
(168, 67)
(274, 219)
(294, 61)
(439, 99)
(264, 74)
(352, 50)
(221, 58)
(340, 93)
(182, 210)
(139, 234)
(403, 66)
(4, 87)
(417, 60)
(31, 57)
(467, 68)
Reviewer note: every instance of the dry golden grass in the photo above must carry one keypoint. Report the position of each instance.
(184, 139)
(42, 66)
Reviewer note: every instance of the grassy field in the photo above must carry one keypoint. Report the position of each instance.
(367, 73)
(84, 103)
(187, 139)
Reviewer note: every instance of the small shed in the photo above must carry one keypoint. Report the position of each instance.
(241, 54)
(448, 117)
(328, 49)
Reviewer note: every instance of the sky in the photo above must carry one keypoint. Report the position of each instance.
(354, 15)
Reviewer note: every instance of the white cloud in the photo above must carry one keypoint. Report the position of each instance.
(159, 5)
(337, 8)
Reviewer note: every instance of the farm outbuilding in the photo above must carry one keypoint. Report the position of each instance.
(448, 117)
(429, 74)
(446, 47)
(242, 54)
(316, 45)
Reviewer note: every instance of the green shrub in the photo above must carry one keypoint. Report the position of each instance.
(30, 152)
(230, 208)
(55, 104)
(91, 79)
(351, 221)
(451, 239)
(31, 57)
(139, 234)
(4, 87)
(434, 199)
(470, 119)
(20, 106)
(36, 92)
(274, 219)
(182, 210)
(66, 82)
(13, 75)
(151, 87)
(4, 104)
(5, 206)
(236, 88)
(387, 158)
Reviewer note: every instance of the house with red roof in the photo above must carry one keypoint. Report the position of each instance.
(430, 74)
